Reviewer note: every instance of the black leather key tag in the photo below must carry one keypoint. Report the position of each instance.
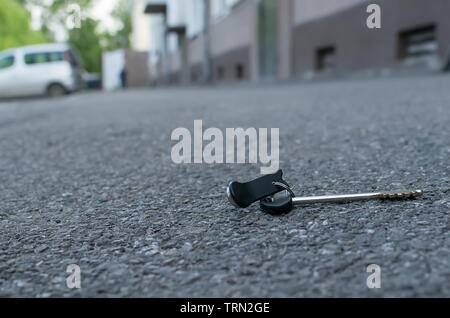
(241, 195)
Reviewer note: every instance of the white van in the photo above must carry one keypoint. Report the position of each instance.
(52, 69)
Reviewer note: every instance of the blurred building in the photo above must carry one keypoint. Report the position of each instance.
(141, 36)
(195, 41)
(133, 63)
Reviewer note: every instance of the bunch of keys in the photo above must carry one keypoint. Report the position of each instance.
(276, 196)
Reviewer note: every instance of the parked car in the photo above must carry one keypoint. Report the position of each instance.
(52, 69)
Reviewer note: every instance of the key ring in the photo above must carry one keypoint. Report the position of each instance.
(285, 187)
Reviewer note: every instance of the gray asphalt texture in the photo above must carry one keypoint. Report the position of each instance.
(88, 180)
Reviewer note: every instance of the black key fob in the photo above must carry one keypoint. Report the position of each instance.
(280, 203)
(241, 195)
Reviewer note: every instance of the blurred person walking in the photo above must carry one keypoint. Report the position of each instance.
(123, 78)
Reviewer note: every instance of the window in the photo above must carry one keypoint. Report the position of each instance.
(35, 58)
(55, 57)
(6, 62)
(326, 58)
(239, 71)
(43, 57)
(418, 42)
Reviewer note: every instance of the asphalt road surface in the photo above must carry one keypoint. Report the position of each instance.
(89, 180)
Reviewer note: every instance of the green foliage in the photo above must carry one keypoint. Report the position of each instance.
(58, 5)
(90, 43)
(87, 40)
(56, 11)
(15, 26)
(121, 38)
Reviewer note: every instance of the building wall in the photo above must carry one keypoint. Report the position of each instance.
(236, 30)
(356, 46)
(305, 29)
(141, 36)
(222, 8)
(112, 65)
(285, 47)
(195, 50)
(156, 37)
(136, 65)
(194, 17)
(155, 73)
(309, 10)
(233, 44)
(175, 61)
(176, 16)
(195, 58)
(232, 66)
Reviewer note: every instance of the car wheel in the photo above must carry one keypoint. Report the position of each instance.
(56, 90)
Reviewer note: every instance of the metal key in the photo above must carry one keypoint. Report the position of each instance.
(276, 196)
(284, 202)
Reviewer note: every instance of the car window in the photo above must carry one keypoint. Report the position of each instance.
(35, 58)
(43, 57)
(55, 57)
(6, 62)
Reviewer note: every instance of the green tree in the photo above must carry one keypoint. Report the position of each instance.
(87, 40)
(15, 27)
(121, 38)
(56, 11)
(90, 43)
